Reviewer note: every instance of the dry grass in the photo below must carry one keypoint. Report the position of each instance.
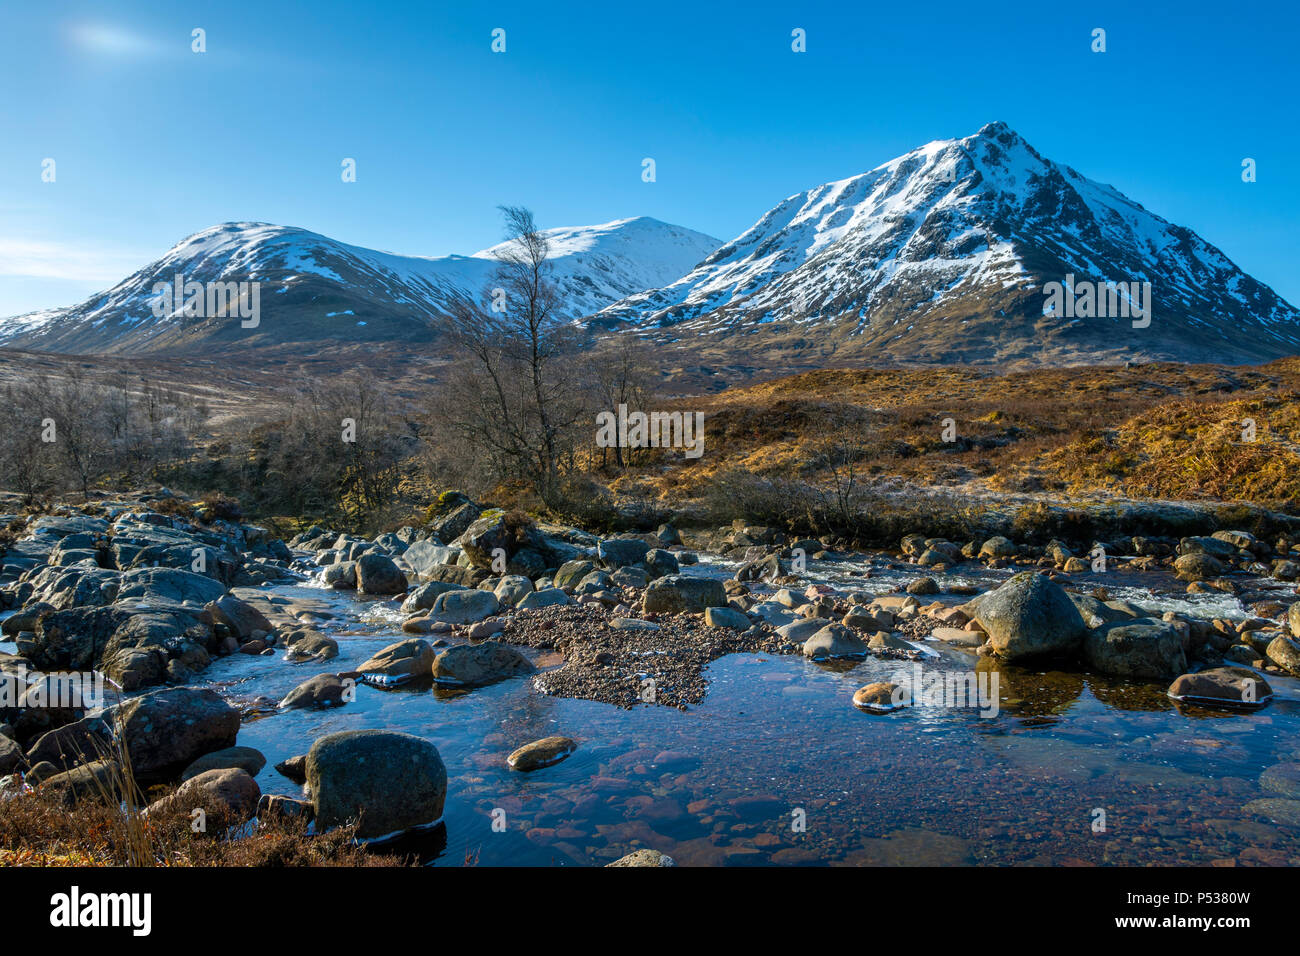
(1159, 430)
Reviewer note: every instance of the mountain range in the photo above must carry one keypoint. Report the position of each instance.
(314, 290)
(943, 255)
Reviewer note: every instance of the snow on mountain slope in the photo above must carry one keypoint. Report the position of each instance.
(942, 255)
(315, 287)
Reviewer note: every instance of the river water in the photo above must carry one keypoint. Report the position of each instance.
(776, 766)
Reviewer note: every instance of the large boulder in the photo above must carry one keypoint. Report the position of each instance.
(464, 606)
(385, 781)
(677, 593)
(476, 665)
(492, 535)
(167, 730)
(1144, 649)
(378, 574)
(398, 663)
(1029, 616)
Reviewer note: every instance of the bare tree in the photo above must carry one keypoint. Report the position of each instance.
(513, 397)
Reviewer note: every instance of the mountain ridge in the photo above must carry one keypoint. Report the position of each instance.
(965, 232)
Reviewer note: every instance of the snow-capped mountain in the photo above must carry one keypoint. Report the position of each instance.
(947, 254)
(312, 288)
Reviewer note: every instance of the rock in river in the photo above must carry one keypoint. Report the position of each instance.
(879, 698)
(1029, 616)
(475, 665)
(1144, 649)
(1231, 687)
(378, 574)
(541, 753)
(388, 781)
(834, 640)
(398, 663)
(323, 690)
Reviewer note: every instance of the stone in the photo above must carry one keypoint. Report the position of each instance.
(1228, 687)
(80, 741)
(832, 641)
(398, 663)
(239, 758)
(571, 572)
(512, 589)
(677, 593)
(230, 792)
(386, 781)
(379, 574)
(323, 690)
(660, 563)
(167, 730)
(342, 575)
(1198, 566)
(1285, 653)
(1282, 779)
(240, 617)
(1144, 649)
(1029, 616)
(616, 553)
(643, 857)
(541, 753)
(726, 617)
(305, 644)
(464, 606)
(423, 597)
(476, 665)
(957, 636)
(633, 624)
(997, 547)
(294, 768)
(547, 597)
(168, 586)
(879, 698)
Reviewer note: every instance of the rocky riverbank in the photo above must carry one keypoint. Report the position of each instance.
(150, 599)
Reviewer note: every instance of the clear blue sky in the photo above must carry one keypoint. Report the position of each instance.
(153, 142)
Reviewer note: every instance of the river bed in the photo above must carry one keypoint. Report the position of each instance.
(776, 766)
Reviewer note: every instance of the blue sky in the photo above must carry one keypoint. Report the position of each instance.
(153, 142)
